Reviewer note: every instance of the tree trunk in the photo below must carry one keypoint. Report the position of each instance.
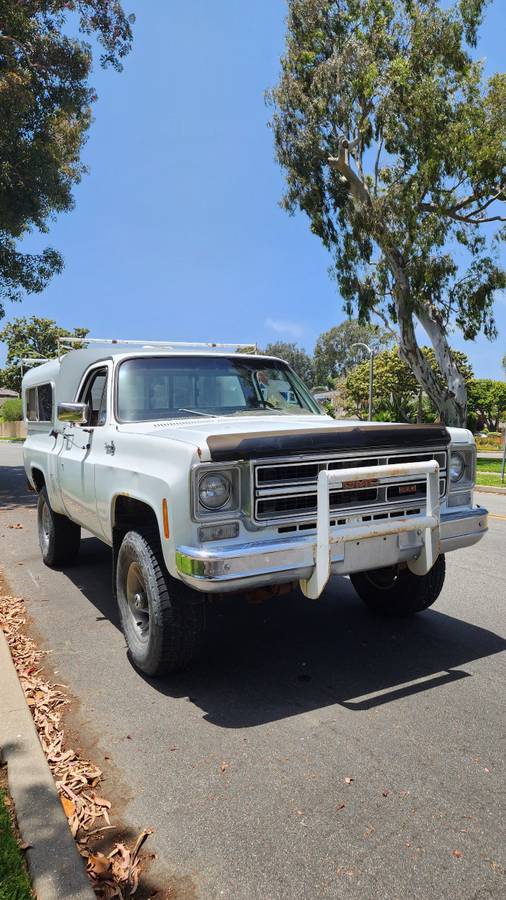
(456, 392)
(451, 402)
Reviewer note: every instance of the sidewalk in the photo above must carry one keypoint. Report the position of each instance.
(55, 867)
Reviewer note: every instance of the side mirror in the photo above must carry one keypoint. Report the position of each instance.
(76, 413)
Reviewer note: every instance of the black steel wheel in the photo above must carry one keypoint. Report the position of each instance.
(59, 537)
(163, 620)
(395, 591)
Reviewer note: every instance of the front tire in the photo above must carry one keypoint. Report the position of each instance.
(162, 619)
(59, 537)
(399, 592)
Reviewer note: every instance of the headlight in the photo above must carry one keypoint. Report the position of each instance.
(457, 466)
(214, 490)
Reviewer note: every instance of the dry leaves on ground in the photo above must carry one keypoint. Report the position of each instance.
(114, 875)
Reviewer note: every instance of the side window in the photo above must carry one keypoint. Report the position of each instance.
(45, 397)
(94, 393)
(31, 404)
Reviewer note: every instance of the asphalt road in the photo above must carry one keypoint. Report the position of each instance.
(240, 765)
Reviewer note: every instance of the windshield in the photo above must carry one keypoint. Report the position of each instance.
(151, 388)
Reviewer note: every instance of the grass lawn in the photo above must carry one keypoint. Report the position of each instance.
(14, 880)
(488, 465)
(490, 479)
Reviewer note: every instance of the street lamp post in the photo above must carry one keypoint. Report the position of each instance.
(371, 372)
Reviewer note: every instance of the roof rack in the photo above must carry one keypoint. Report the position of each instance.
(149, 345)
(27, 361)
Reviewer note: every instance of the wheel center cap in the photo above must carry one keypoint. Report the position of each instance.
(139, 601)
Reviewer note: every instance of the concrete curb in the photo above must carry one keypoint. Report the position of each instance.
(486, 489)
(56, 869)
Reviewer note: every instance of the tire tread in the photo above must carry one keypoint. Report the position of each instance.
(65, 540)
(181, 612)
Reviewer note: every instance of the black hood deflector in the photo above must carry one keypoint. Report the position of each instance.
(264, 444)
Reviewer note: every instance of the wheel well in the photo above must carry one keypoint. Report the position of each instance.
(133, 515)
(38, 479)
(130, 515)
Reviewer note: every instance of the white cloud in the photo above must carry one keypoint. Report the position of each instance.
(285, 327)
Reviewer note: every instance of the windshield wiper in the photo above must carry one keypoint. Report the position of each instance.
(196, 412)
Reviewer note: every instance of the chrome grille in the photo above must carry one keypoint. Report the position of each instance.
(285, 489)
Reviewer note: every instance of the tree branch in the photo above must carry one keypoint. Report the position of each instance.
(385, 321)
(357, 187)
(376, 166)
(26, 52)
(469, 218)
(472, 216)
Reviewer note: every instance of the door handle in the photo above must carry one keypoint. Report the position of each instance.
(110, 448)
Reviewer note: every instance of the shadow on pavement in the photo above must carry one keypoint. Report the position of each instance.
(13, 490)
(289, 655)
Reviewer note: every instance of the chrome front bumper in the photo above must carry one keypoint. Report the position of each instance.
(237, 567)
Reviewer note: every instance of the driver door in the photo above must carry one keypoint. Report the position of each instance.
(81, 448)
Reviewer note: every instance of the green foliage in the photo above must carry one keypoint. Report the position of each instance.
(12, 410)
(45, 110)
(394, 145)
(334, 354)
(487, 400)
(329, 409)
(34, 337)
(396, 396)
(296, 357)
(14, 881)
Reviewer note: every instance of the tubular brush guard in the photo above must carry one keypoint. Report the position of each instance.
(427, 524)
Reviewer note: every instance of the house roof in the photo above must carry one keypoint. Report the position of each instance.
(6, 392)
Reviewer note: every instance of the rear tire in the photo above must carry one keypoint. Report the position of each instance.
(399, 592)
(59, 537)
(162, 619)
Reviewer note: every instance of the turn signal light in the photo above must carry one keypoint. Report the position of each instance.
(218, 532)
(165, 515)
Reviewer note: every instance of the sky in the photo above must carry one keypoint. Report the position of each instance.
(177, 233)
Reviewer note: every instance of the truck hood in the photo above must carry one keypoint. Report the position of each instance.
(245, 437)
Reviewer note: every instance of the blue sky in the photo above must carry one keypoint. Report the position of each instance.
(177, 233)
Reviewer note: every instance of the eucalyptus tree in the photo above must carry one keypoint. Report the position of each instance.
(394, 145)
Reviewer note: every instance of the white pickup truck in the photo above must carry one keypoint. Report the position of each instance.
(211, 470)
